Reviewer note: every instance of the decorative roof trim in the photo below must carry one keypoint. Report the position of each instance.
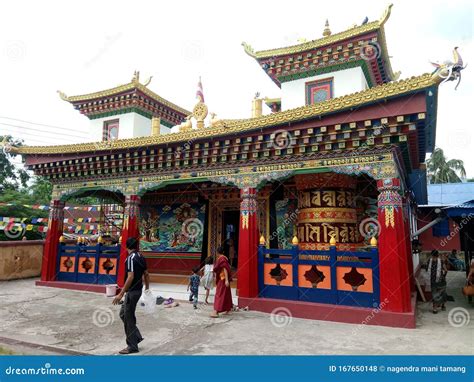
(120, 89)
(314, 44)
(226, 127)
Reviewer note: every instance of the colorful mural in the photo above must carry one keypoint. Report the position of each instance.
(286, 218)
(172, 228)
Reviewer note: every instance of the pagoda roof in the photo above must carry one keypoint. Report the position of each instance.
(95, 104)
(227, 127)
(309, 58)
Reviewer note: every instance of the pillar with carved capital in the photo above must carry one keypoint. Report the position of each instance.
(55, 230)
(130, 229)
(394, 275)
(247, 275)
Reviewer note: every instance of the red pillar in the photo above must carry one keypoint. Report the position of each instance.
(50, 250)
(247, 273)
(130, 229)
(394, 276)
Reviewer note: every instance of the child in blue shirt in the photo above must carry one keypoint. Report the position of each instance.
(193, 286)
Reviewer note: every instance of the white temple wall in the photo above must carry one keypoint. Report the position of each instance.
(130, 125)
(345, 82)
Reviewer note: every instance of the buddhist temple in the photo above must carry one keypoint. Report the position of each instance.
(313, 196)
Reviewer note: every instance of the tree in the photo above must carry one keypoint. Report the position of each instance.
(441, 170)
(11, 177)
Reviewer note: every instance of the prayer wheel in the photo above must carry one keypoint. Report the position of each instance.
(326, 210)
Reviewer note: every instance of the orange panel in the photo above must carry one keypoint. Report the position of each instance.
(67, 264)
(285, 272)
(86, 262)
(367, 286)
(111, 264)
(325, 284)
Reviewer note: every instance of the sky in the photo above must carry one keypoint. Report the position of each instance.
(87, 46)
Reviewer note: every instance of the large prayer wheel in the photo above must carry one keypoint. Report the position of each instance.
(326, 209)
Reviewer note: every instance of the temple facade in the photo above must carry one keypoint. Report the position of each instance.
(313, 200)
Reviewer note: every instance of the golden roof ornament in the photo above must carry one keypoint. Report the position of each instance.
(386, 14)
(136, 79)
(327, 31)
(62, 95)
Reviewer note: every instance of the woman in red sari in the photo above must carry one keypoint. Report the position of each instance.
(223, 297)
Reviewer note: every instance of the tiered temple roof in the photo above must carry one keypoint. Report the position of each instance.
(362, 45)
(133, 96)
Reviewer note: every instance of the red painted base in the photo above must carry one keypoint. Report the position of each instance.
(172, 265)
(337, 313)
(96, 288)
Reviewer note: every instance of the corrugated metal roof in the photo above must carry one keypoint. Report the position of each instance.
(450, 194)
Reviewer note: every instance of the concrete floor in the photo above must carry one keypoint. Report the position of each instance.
(39, 320)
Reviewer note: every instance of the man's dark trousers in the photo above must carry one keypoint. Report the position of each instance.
(127, 315)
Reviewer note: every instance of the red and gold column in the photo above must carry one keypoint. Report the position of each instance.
(394, 275)
(130, 229)
(55, 230)
(326, 210)
(247, 273)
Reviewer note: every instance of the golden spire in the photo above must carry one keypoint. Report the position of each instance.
(327, 31)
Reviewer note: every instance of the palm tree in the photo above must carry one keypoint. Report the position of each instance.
(441, 170)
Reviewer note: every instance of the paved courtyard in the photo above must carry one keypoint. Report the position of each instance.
(39, 320)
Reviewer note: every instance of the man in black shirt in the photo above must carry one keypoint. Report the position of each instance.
(136, 271)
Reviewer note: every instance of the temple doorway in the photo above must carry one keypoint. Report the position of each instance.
(230, 236)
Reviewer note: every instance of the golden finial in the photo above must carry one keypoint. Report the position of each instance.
(79, 240)
(373, 241)
(332, 242)
(262, 240)
(327, 31)
(136, 77)
(61, 239)
(295, 240)
(100, 240)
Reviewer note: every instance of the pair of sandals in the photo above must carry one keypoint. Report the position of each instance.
(127, 350)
